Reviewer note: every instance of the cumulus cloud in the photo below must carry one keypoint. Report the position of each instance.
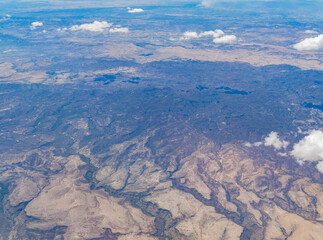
(119, 30)
(256, 144)
(34, 25)
(310, 148)
(96, 26)
(274, 140)
(189, 35)
(319, 166)
(218, 36)
(216, 33)
(308, 44)
(225, 39)
(283, 154)
(135, 10)
(61, 29)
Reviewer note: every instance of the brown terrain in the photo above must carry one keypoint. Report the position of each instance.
(149, 134)
(213, 193)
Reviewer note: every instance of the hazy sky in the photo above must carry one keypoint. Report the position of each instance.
(59, 4)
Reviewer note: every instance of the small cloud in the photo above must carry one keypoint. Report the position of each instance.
(311, 32)
(61, 29)
(119, 30)
(273, 140)
(207, 3)
(96, 26)
(225, 39)
(308, 44)
(216, 33)
(34, 25)
(189, 35)
(8, 51)
(310, 148)
(135, 10)
(218, 36)
(283, 154)
(257, 144)
(6, 17)
(319, 166)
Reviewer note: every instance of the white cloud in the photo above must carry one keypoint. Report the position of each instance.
(7, 51)
(225, 39)
(310, 148)
(216, 33)
(61, 29)
(273, 140)
(189, 35)
(256, 144)
(135, 10)
(96, 26)
(37, 24)
(218, 36)
(207, 3)
(319, 166)
(314, 43)
(283, 154)
(311, 32)
(119, 30)
(34, 25)
(6, 17)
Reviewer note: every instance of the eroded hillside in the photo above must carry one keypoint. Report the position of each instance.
(152, 163)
